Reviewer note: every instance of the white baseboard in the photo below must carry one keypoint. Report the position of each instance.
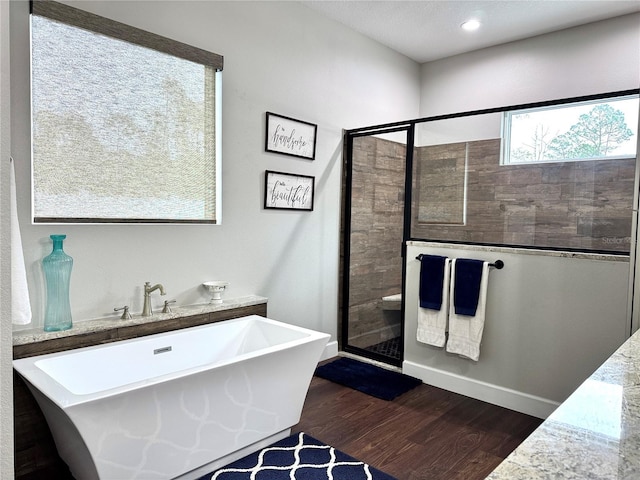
(330, 351)
(487, 392)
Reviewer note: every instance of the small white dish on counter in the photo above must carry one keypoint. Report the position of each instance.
(215, 290)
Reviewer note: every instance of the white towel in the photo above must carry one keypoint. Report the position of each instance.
(20, 305)
(465, 332)
(432, 324)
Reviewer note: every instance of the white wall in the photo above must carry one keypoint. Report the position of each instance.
(595, 58)
(279, 57)
(461, 129)
(6, 374)
(551, 320)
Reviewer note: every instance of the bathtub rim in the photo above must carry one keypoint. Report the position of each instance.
(36, 378)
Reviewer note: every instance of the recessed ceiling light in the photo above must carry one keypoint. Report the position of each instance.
(471, 25)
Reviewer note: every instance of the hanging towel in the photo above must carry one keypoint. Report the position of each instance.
(431, 281)
(466, 290)
(465, 331)
(20, 306)
(433, 307)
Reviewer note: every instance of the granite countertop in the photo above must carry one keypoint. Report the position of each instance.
(21, 337)
(609, 257)
(594, 434)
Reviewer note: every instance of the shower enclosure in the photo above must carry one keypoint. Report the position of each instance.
(449, 179)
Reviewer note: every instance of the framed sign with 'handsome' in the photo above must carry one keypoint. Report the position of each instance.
(290, 137)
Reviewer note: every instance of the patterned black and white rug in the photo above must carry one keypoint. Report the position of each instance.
(298, 457)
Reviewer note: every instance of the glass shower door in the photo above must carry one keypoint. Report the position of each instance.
(373, 234)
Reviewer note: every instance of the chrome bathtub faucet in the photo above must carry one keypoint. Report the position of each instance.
(146, 310)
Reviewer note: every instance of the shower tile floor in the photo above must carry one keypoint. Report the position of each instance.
(389, 348)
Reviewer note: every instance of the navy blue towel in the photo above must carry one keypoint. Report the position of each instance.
(466, 291)
(431, 281)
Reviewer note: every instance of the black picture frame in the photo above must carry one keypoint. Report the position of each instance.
(288, 136)
(288, 191)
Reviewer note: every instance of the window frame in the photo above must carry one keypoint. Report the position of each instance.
(506, 128)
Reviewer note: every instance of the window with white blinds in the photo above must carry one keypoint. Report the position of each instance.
(125, 123)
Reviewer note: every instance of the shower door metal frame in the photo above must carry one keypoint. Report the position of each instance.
(349, 136)
(633, 302)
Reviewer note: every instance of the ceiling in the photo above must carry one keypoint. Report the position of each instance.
(428, 30)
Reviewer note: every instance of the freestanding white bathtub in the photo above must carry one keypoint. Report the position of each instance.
(177, 404)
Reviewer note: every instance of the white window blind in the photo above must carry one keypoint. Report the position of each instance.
(124, 123)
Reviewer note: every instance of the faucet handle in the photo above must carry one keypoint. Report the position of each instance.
(167, 308)
(125, 314)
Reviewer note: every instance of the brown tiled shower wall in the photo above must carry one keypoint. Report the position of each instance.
(577, 205)
(376, 239)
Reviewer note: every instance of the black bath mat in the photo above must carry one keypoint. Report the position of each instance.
(370, 379)
(300, 457)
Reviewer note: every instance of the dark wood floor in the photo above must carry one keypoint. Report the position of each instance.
(427, 433)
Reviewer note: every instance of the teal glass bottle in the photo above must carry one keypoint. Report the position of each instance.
(57, 273)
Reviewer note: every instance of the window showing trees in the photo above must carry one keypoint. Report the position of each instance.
(577, 131)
